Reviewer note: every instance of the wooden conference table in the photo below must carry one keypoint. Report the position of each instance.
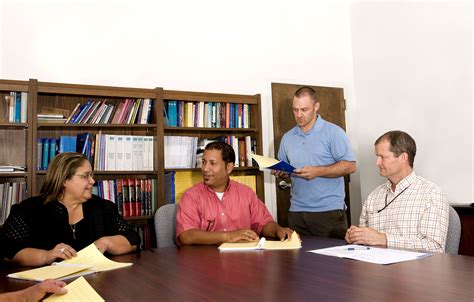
(202, 273)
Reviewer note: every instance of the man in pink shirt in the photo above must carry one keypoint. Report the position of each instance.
(221, 210)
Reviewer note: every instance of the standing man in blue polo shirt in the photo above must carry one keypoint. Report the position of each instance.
(322, 155)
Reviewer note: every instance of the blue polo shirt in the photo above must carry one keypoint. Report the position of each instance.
(325, 144)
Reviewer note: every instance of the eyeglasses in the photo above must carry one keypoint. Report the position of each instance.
(86, 176)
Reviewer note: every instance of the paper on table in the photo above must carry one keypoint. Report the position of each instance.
(263, 244)
(50, 272)
(271, 163)
(372, 255)
(78, 290)
(90, 255)
(88, 260)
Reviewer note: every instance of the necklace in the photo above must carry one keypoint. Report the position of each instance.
(73, 229)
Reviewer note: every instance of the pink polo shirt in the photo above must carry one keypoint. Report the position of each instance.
(200, 208)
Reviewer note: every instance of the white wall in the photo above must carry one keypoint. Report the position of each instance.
(243, 46)
(413, 71)
(216, 46)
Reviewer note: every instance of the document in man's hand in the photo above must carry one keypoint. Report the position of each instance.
(370, 254)
(88, 260)
(271, 163)
(263, 244)
(77, 290)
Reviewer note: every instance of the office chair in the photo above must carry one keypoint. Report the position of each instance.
(454, 232)
(165, 225)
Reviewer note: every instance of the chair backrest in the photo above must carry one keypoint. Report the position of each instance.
(165, 225)
(454, 232)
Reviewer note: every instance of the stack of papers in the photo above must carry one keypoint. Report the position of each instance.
(262, 244)
(370, 254)
(271, 163)
(88, 260)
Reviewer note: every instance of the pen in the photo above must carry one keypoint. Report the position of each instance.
(358, 248)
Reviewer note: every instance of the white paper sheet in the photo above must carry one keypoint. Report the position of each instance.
(370, 254)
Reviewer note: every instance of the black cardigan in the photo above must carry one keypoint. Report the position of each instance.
(37, 225)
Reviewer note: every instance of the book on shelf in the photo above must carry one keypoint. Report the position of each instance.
(272, 163)
(10, 193)
(67, 143)
(128, 111)
(100, 152)
(52, 120)
(12, 168)
(263, 244)
(81, 143)
(74, 113)
(11, 107)
(23, 107)
(207, 114)
(14, 109)
(49, 116)
(88, 260)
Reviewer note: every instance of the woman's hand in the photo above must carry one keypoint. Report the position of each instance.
(102, 244)
(60, 251)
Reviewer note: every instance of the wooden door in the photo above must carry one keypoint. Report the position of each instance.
(332, 109)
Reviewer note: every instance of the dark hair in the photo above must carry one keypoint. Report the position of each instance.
(306, 91)
(227, 152)
(61, 168)
(400, 142)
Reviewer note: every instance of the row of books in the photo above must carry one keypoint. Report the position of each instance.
(177, 182)
(184, 152)
(106, 152)
(16, 107)
(47, 148)
(180, 152)
(128, 111)
(10, 193)
(133, 197)
(124, 152)
(207, 114)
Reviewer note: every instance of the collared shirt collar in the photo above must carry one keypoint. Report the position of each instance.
(403, 184)
(318, 125)
(229, 186)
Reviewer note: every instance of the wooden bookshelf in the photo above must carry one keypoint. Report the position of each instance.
(254, 130)
(15, 139)
(21, 139)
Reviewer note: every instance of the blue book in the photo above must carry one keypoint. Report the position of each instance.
(52, 149)
(18, 107)
(67, 144)
(172, 113)
(180, 110)
(169, 188)
(79, 110)
(231, 116)
(83, 111)
(45, 161)
(81, 142)
(271, 163)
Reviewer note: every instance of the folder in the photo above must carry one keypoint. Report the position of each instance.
(88, 260)
(263, 244)
(271, 163)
